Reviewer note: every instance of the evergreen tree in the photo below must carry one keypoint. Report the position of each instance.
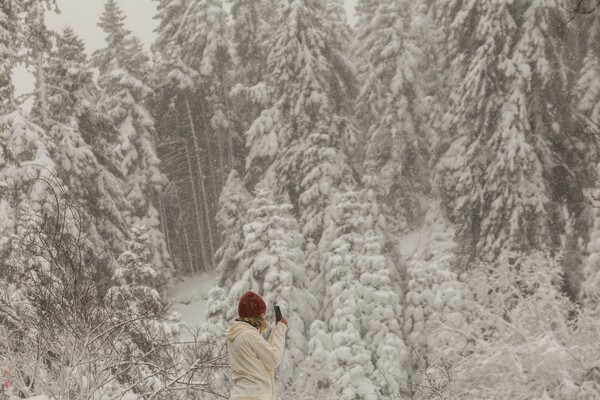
(588, 84)
(171, 72)
(135, 295)
(8, 33)
(7, 53)
(273, 262)
(557, 134)
(588, 102)
(69, 78)
(253, 22)
(194, 118)
(304, 135)
(365, 10)
(36, 43)
(491, 178)
(83, 161)
(349, 359)
(433, 300)
(335, 12)
(388, 106)
(203, 34)
(30, 194)
(177, 121)
(98, 191)
(137, 281)
(590, 289)
(123, 68)
(231, 219)
(380, 320)
(169, 15)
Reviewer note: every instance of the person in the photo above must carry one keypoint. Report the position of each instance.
(252, 358)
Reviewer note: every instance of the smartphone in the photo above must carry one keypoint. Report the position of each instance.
(278, 315)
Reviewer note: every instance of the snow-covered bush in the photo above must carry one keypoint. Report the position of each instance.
(524, 337)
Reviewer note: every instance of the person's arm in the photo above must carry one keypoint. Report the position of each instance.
(271, 352)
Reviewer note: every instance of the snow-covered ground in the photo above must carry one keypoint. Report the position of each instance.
(188, 296)
(433, 239)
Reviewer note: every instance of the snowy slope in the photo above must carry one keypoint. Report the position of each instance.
(432, 240)
(188, 296)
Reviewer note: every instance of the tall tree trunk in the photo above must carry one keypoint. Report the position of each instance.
(221, 160)
(42, 90)
(202, 186)
(227, 104)
(163, 222)
(195, 194)
(192, 264)
(198, 212)
(209, 154)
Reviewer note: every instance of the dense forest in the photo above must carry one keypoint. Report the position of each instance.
(419, 191)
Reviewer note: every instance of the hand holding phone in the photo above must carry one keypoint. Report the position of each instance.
(278, 316)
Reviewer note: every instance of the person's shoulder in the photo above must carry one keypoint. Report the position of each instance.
(250, 337)
(250, 333)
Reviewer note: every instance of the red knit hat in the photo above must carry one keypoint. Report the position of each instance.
(251, 305)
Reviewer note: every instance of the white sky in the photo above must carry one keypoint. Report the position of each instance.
(83, 16)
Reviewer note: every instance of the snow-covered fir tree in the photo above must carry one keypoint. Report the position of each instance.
(338, 24)
(231, 218)
(169, 15)
(203, 37)
(304, 136)
(8, 34)
(590, 288)
(381, 318)
(588, 85)
(137, 281)
(388, 106)
(32, 177)
(491, 178)
(69, 77)
(89, 176)
(273, 264)
(434, 301)
(167, 50)
(135, 295)
(253, 22)
(193, 108)
(349, 360)
(123, 69)
(36, 43)
(559, 137)
(588, 104)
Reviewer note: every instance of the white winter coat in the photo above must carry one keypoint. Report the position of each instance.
(253, 360)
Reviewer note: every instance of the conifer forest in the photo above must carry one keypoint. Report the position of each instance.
(418, 189)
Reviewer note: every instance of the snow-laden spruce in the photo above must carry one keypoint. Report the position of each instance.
(84, 161)
(272, 263)
(434, 308)
(123, 68)
(388, 108)
(8, 34)
(304, 136)
(366, 343)
(590, 288)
